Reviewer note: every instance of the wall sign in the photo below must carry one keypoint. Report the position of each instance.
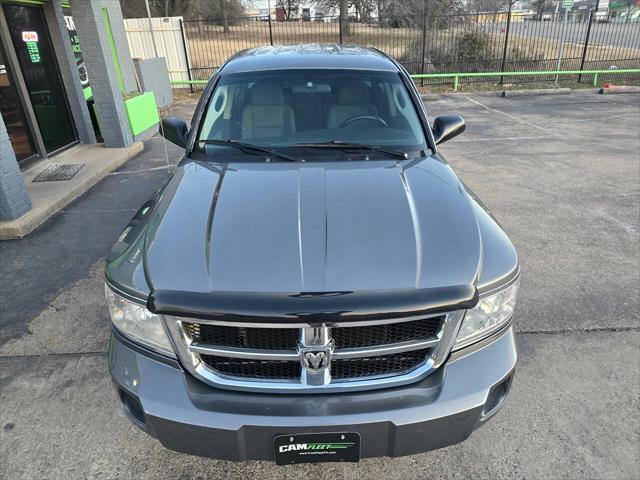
(77, 53)
(29, 36)
(31, 41)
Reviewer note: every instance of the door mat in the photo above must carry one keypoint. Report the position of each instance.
(56, 172)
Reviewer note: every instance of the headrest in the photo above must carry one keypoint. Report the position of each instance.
(264, 93)
(354, 93)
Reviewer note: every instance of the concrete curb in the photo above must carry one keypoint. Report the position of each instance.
(620, 89)
(536, 91)
(48, 198)
(430, 97)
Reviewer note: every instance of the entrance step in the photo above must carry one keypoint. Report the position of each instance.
(91, 164)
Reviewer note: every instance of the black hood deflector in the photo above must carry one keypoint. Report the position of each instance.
(321, 307)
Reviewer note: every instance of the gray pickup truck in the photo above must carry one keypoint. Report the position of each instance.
(313, 282)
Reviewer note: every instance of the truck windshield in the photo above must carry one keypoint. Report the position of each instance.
(321, 110)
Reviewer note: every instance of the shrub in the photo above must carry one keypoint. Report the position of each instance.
(468, 51)
(471, 51)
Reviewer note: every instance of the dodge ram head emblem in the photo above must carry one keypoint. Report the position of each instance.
(315, 360)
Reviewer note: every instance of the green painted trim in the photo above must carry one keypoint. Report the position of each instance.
(142, 112)
(515, 74)
(189, 82)
(88, 93)
(26, 2)
(114, 52)
(65, 4)
(457, 76)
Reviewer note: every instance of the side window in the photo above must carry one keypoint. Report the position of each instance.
(216, 109)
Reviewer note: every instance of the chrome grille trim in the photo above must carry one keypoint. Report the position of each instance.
(243, 352)
(388, 349)
(300, 324)
(256, 354)
(313, 336)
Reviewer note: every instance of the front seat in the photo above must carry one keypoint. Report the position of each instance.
(353, 99)
(267, 115)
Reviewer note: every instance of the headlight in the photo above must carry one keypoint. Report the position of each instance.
(488, 316)
(137, 323)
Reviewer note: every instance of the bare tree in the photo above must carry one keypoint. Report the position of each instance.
(217, 10)
(481, 6)
(344, 17)
(225, 15)
(364, 8)
(629, 4)
(540, 6)
(411, 9)
(288, 6)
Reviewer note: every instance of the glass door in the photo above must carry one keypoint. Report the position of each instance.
(38, 64)
(13, 114)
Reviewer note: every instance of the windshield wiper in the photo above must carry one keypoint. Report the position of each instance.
(340, 144)
(248, 146)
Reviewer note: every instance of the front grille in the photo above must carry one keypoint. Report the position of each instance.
(257, 369)
(395, 364)
(313, 358)
(241, 337)
(287, 338)
(368, 336)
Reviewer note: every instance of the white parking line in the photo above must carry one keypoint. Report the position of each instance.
(500, 139)
(152, 169)
(598, 119)
(512, 117)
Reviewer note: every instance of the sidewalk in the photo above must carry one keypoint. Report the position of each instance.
(48, 198)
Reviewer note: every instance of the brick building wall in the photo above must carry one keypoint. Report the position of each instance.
(14, 200)
(89, 20)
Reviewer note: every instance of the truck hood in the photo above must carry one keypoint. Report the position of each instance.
(313, 227)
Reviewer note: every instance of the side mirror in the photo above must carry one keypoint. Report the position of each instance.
(175, 130)
(446, 127)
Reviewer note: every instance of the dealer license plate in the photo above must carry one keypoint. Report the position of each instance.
(316, 447)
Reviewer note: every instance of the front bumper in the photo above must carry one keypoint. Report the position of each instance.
(188, 416)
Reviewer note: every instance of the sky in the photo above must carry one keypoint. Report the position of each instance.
(260, 3)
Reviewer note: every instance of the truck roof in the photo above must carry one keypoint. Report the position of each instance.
(315, 55)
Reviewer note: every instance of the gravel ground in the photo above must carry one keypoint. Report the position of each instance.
(561, 173)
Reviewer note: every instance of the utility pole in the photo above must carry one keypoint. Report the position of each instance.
(566, 5)
(424, 39)
(153, 39)
(592, 18)
(506, 41)
(269, 20)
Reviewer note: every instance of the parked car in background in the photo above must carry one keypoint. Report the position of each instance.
(313, 283)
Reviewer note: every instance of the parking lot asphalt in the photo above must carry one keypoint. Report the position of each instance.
(561, 174)
(612, 35)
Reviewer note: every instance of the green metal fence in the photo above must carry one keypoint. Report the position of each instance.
(502, 41)
(597, 74)
(457, 76)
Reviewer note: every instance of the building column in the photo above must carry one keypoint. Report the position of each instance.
(108, 66)
(14, 199)
(121, 44)
(69, 70)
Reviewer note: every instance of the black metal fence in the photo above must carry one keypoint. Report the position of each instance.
(487, 42)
